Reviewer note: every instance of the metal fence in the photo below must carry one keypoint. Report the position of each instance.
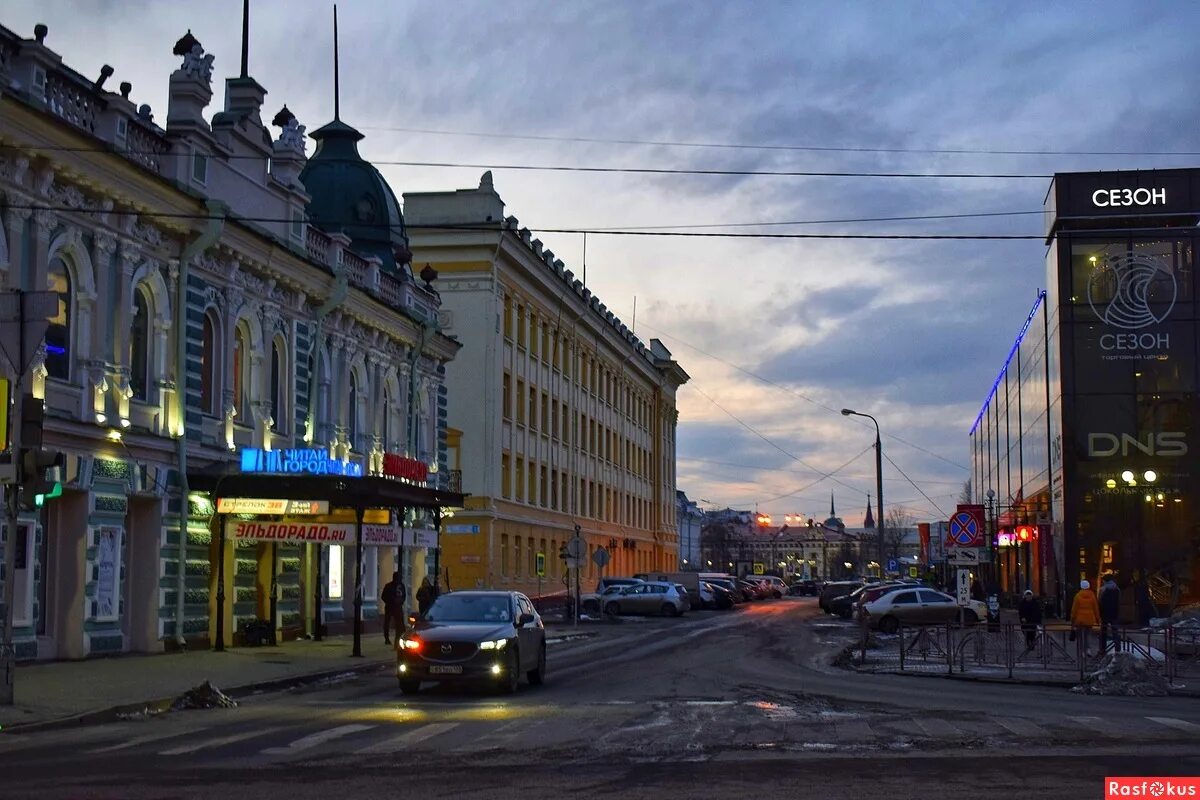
(1056, 652)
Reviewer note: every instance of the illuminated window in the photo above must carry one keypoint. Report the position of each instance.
(58, 333)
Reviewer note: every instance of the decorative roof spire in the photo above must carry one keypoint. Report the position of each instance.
(869, 522)
(832, 513)
(337, 89)
(245, 38)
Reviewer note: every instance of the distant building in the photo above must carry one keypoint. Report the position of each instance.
(690, 519)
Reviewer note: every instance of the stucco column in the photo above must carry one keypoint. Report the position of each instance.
(44, 222)
(104, 330)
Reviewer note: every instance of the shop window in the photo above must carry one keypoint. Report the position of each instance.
(58, 333)
(139, 346)
(208, 366)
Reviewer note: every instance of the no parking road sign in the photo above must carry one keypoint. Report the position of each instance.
(967, 527)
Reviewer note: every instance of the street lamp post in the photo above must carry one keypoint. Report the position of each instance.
(846, 412)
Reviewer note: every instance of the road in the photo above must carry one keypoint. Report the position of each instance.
(717, 701)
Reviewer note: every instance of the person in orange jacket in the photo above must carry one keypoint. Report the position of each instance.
(1085, 611)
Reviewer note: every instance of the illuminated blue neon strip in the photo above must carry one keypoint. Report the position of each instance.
(296, 462)
(1008, 361)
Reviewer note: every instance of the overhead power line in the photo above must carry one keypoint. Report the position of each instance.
(599, 232)
(782, 147)
(918, 488)
(781, 173)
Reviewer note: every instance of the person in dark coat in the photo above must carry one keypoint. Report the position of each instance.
(1143, 603)
(392, 600)
(1030, 612)
(425, 596)
(977, 592)
(1110, 612)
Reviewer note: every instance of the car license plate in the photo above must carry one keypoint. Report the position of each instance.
(435, 670)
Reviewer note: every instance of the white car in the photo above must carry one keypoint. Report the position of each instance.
(920, 605)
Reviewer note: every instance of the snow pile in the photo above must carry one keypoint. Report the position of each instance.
(1124, 674)
(203, 696)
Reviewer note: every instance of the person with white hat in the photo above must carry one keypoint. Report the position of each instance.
(1085, 611)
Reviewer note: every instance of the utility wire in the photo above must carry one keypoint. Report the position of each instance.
(830, 474)
(781, 147)
(918, 488)
(494, 228)
(748, 427)
(796, 471)
(580, 168)
(819, 221)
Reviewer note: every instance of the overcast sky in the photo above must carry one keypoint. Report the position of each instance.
(776, 334)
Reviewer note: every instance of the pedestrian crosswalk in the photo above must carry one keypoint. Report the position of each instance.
(674, 728)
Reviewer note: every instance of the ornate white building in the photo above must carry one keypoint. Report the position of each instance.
(204, 310)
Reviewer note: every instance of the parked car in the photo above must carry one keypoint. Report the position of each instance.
(689, 601)
(809, 588)
(776, 586)
(592, 602)
(757, 590)
(722, 596)
(649, 597)
(474, 637)
(835, 589)
(919, 606)
(729, 585)
(845, 605)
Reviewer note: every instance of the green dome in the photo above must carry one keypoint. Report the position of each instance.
(350, 195)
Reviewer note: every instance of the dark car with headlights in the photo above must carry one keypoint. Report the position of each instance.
(489, 638)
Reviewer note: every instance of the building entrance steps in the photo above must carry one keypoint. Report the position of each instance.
(63, 692)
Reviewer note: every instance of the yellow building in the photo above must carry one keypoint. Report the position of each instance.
(562, 417)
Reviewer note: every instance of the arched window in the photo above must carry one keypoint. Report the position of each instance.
(279, 385)
(352, 411)
(387, 418)
(208, 367)
(58, 334)
(241, 372)
(139, 347)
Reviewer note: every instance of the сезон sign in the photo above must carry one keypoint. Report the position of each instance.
(1104, 198)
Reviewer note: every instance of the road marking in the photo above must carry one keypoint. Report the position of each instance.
(937, 728)
(711, 702)
(314, 739)
(1097, 725)
(218, 742)
(420, 734)
(151, 737)
(1022, 727)
(1177, 724)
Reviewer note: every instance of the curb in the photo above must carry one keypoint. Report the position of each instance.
(161, 705)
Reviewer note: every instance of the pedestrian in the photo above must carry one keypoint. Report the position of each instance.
(425, 596)
(1110, 612)
(1143, 603)
(1085, 613)
(1029, 610)
(392, 598)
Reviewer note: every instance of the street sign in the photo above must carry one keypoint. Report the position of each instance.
(759, 569)
(967, 527)
(541, 565)
(964, 586)
(263, 505)
(31, 310)
(912, 572)
(601, 557)
(576, 548)
(963, 556)
(574, 563)
(893, 565)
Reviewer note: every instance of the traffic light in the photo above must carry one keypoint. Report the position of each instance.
(36, 485)
(1026, 533)
(562, 552)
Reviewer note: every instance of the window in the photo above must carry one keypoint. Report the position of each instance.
(241, 373)
(905, 598)
(297, 224)
(139, 345)
(505, 477)
(517, 557)
(504, 554)
(200, 168)
(935, 597)
(208, 366)
(352, 411)
(58, 333)
(278, 385)
(506, 397)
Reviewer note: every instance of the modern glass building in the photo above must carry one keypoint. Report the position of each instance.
(1085, 449)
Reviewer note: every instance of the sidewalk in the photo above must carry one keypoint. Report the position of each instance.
(95, 689)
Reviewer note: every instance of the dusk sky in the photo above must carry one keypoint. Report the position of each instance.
(777, 334)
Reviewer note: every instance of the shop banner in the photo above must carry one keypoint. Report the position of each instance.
(342, 533)
(291, 532)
